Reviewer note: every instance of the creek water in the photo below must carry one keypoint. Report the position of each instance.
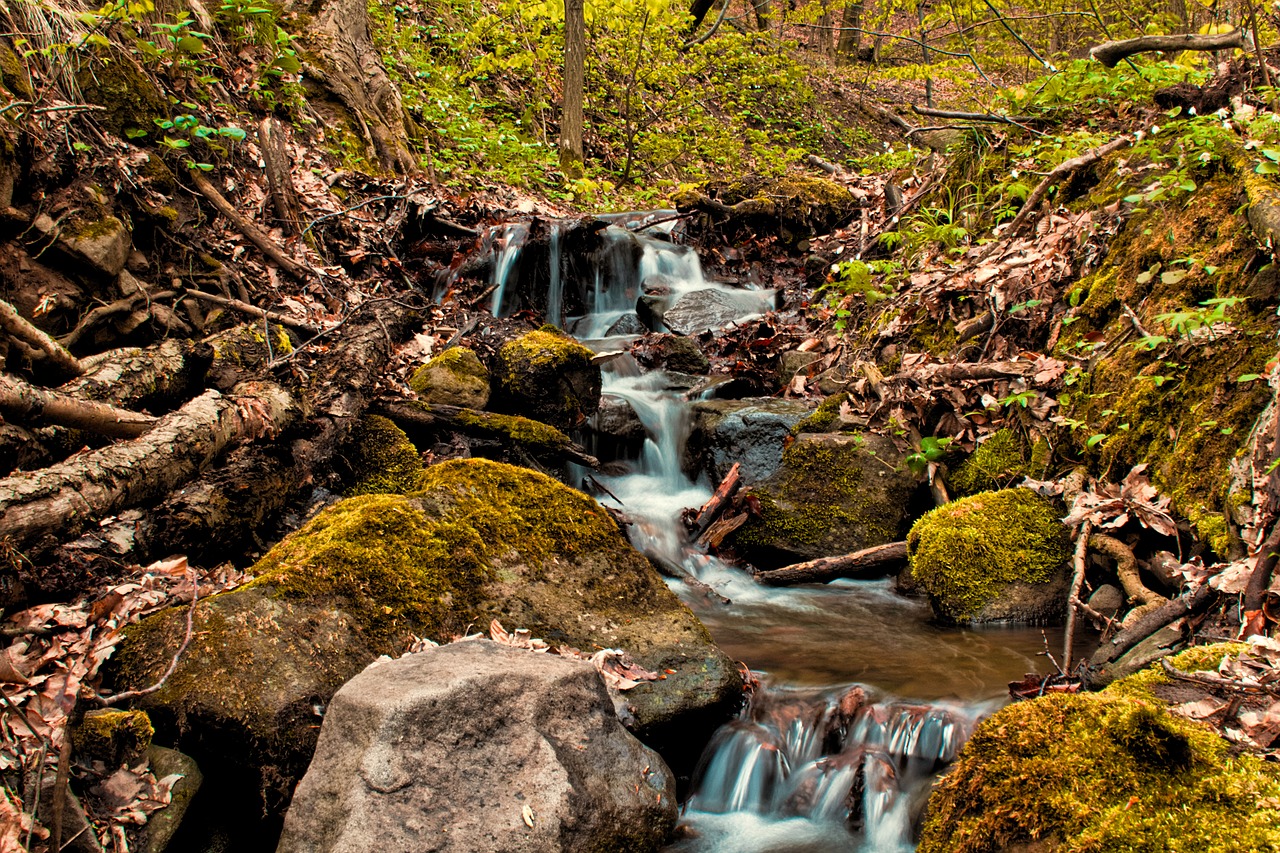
(862, 697)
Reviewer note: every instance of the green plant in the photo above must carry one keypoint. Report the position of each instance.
(930, 451)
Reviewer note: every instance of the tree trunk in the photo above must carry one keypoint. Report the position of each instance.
(699, 10)
(850, 30)
(764, 14)
(1110, 53)
(575, 60)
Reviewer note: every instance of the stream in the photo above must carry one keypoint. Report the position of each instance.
(862, 697)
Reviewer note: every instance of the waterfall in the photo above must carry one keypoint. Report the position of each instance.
(509, 242)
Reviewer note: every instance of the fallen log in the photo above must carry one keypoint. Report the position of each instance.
(1053, 179)
(1111, 53)
(976, 370)
(21, 329)
(875, 561)
(156, 377)
(33, 407)
(716, 504)
(64, 499)
(256, 235)
(990, 118)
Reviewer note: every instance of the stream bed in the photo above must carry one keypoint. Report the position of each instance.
(862, 698)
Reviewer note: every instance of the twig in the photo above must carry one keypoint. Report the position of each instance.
(108, 701)
(1031, 50)
(1212, 679)
(724, 10)
(19, 327)
(102, 312)
(992, 118)
(253, 310)
(313, 223)
(1059, 172)
(1077, 580)
(1133, 318)
(255, 234)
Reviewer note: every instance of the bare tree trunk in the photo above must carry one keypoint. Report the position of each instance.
(850, 30)
(826, 43)
(575, 60)
(699, 10)
(764, 14)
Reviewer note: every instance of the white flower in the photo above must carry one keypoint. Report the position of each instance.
(1155, 129)
(1191, 111)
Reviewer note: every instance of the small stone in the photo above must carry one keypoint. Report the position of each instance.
(453, 378)
(1107, 600)
(104, 244)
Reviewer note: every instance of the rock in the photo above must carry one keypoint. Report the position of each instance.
(649, 310)
(710, 310)
(162, 824)
(113, 737)
(480, 540)
(751, 432)
(382, 458)
(479, 746)
(103, 244)
(792, 362)
(997, 463)
(1167, 568)
(993, 557)
(627, 324)
(834, 494)
(547, 376)
(1104, 771)
(1107, 600)
(453, 378)
(617, 431)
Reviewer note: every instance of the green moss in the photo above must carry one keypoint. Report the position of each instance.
(819, 488)
(132, 100)
(1104, 773)
(965, 552)
(537, 437)
(100, 226)
(383, 458)
(13, 74)
(1143, 684)
(113, 737)
(454, 377)
(994, 464)
(825, 417)
(158, 173)
(548, 376)
(545, 346)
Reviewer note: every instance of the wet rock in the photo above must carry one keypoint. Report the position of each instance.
(627, 324)
(994, 557)
(834, 494)
(382, 458)
(650, 308)
(751, 432)
(1167, 568)
(616, 427)
(682, 355)
(478, 746)
(455, 377)
(1107, 600)
(163, 824)
(548, 376)
(792, 362)
(703, 310)
(480, 540)
(1104, 771)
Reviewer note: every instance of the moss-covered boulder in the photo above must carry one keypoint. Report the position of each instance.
(102, 242)
(453, 378)
(992, 557)
(1000, 461)
(833, 494)
(132, 100)
(382, 458)
(1112, 771)
(548, 376)
(113, 737)
(480, 540)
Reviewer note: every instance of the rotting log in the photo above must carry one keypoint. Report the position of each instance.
(229, 503)
(977, 370)
(155, 377)
(65, 498)
(33, 407)
(875, 561)
(21, 329)
(1111, 53)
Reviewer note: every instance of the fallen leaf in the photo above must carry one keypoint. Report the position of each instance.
(527, 814)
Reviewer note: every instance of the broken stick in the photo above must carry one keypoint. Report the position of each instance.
(875, 561)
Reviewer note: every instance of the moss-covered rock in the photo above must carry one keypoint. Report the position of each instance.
(548, 376)
(683, 355)
(453, 378)
(1112, 771)
(795, 207)
(383, 460)
(132, 100)
(998, 462)
(992, 557)
(480, 540)
(243, 351)
(826, 418)
(834, 494)
(113, 737)
(102, 242)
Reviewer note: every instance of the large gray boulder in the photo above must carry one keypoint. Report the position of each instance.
(711, 309)
(477, 746)
(751, 432)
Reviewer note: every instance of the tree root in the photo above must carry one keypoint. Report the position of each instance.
(1127, 572)
(17, 326)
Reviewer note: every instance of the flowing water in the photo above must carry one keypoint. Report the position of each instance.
(862, 698)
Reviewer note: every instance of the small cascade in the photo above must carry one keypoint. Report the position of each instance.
(507, 245)
(843, 766)
(555, 265)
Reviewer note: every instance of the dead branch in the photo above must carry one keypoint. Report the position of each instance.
(136, 377)
(1214, 680)
(990, 118)
(255, 311)
(98, 315)
(279, 168)
(1255, 593)
(65, 498)
(1185, 605)
(716, 533)
(1054, 178)
(1110, 53)
(34, 406)
(17, 326)
(1073, 598)
(255, 234)
(934, 373)
(875, 561)
(716, 504)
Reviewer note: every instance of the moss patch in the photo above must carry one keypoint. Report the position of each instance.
(966, 553)
(826, 416)
(994, 464)
(113, 737)
(549, 376)
(535, 436)
(132, 101)
(455, 378)
(1102, 772)
(383, 459)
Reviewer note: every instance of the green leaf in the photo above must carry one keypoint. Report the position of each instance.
(190, 44)
(1134, 199)
(1266, 167)
(1173, 276)
(1095, 438)
(1271, 154)
(1248, 377)
(134, 132)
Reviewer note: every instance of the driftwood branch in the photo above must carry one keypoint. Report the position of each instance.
(869, 562)
(667, 568)
(255, 234)
(716, 504)
(34, 406)
(17, 326)
(1073, 597)
(1186, 605)
(1110, 53)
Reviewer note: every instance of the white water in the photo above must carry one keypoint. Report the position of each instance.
(805, 768)
(509, 240)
